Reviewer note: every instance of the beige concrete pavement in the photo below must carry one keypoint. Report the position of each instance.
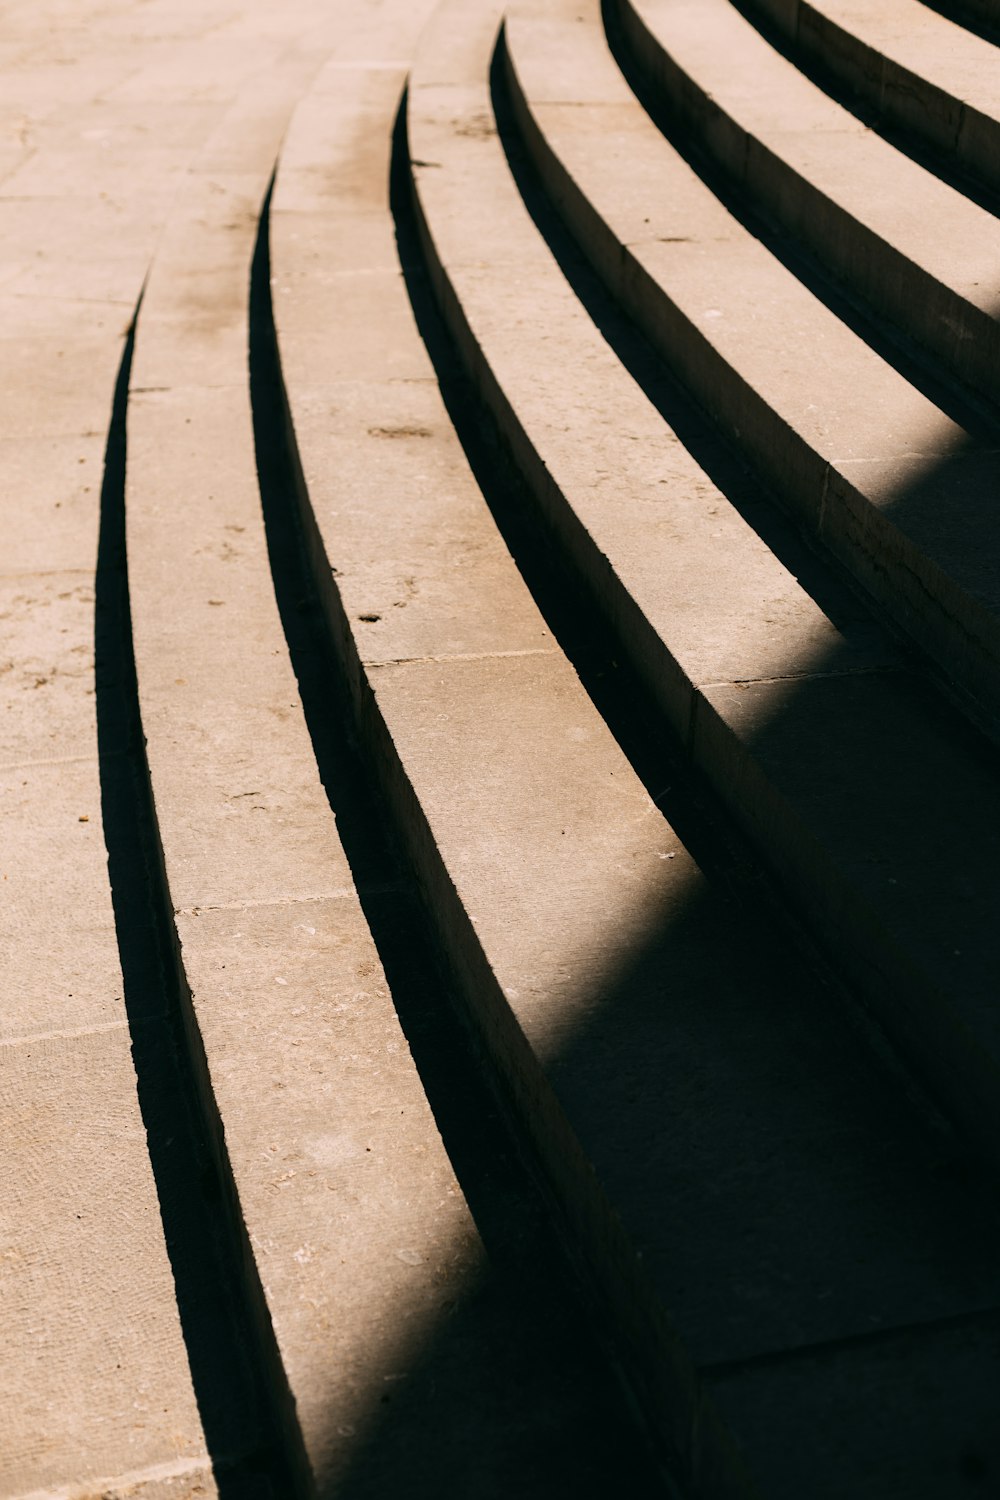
(743, 1177)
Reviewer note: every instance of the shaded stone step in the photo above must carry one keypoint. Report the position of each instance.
(919, 252)
(842, 771)
(386, 1333)
(914, 67)
(896, 491)
(692, 1093)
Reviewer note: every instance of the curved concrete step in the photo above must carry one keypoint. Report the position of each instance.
(915, 249)
(848, 445)
(915, 68)
(96, 1277)
(96, 1371)
(619, 997)
(364, 1255)
(767, 694)
(985, 13)
(272, 939)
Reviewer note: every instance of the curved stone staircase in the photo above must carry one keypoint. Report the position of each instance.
(503, 853)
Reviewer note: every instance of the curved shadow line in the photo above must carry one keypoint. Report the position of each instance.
(963, 14)
(524, 1263)
(226, 1333)
(966, 407)
(934, 159)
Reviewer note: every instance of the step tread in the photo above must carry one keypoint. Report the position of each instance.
(93, 1344)
(96, 1375)
(358, 1227)
(851, 718)
(501, 765)
(742, 332)
(924, 255)
(916, 66)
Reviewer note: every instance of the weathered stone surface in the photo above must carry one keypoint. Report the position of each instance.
(98, 1390)
(366, 1253)
(785, 1240)
(99, 1383)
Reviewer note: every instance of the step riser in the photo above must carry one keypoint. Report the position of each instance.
(903, 98)
(961, 336)
(825, 901)
(943, 621)
(628, 1315)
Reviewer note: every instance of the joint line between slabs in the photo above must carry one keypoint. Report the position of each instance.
(68, 1034)
(876, 671)
(342, 893)
(407, 661)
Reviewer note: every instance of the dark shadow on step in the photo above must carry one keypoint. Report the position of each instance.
(206, 1262)
(921, 148)
(876, 758)
(979, 16)
(976, 410)
(509, 1394)
(814, 1227)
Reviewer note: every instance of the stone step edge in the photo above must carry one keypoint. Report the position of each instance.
(925, 108)
(814, 881)
(958, 335)
(628, 1316)
(957, 636)
(248, 1295)
(985, 13)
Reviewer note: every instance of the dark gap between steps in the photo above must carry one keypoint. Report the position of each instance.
(564, 602)
(933, 159)
(825, 581)
(967, 408)
(206, 1260)
(964, 16)
(829, 582)
(688, 802)
(442, 1430)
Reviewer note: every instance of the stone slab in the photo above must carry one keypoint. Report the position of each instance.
(200, 334)
(922, 253)
(77, 376)
(361, 1232)
(46, 665)
(410, 592)
(913, 64)
(750, 357)
(99, 1391)
(61, 955)
(222, 754)
(92, 1338)
(58, 531)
